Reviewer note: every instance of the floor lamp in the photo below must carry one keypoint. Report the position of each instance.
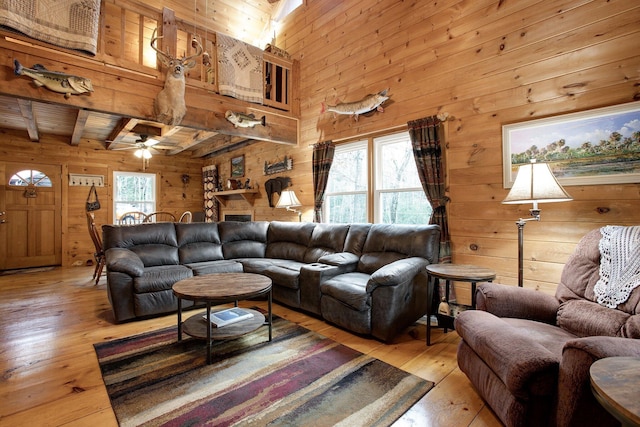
(289, 200)
(535, 184)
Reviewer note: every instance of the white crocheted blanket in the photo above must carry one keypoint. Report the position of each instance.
(619, 264)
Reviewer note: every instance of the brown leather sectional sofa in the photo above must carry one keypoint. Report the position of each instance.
(366, 278)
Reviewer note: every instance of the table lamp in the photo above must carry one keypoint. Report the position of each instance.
(289, 201)
(535, 184)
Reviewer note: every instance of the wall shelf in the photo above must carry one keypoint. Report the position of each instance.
(248, 194)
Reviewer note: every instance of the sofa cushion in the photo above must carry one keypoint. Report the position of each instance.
(198, 242)
(326, 239)
(349, 289)
(515, 352)
(288, 240)
(284, 273)
(243, 239)
(160, 278)
(156, 254)
(213, 267)
(387, 243)
(585, 318)
(154, 243)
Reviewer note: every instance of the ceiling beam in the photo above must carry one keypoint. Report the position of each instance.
(26, 109)
(121, 130)
(78, 128)
(195, 139)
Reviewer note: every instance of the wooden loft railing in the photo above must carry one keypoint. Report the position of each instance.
(125, 37)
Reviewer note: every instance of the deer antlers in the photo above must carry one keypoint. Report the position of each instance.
(165, 58)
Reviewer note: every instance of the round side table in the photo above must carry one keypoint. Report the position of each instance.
(615, 382)
(453, 273)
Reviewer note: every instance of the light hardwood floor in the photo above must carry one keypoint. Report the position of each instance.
(50, 320)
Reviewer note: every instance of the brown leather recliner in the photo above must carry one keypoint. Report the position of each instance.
(528, 354)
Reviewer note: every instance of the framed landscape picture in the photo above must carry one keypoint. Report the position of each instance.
(237, 166)
(600, 146)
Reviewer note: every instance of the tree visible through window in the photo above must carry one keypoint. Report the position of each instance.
(398, 197)
(30, 177)
(133, 192)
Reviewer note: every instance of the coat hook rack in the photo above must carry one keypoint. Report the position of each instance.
(84, 180)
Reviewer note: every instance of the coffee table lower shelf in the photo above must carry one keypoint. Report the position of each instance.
(196, 326)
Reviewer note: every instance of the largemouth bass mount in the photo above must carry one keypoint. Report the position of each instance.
(53, 80)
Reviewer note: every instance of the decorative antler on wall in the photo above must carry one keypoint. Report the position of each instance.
(169, 106)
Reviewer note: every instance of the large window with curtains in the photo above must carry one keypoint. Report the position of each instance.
(375, 180)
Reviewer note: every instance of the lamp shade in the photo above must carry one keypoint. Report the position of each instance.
(288, 199)
(535, 183)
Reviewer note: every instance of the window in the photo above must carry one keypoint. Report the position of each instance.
(398, 197)
(346, 194)
(133, 192)
(30, 177)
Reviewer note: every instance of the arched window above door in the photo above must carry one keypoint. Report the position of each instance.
(30, 177)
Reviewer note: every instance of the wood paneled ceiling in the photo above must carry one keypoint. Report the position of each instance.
(115, 132)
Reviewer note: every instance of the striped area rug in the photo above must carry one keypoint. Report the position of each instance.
(300, 378)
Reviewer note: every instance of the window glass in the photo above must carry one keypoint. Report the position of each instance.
(133, 192)
(397, 193)
(399, 197)
(346, 194)
(30, 176)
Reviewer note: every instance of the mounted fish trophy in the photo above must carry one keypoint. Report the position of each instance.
(357, 108)
(169, 106)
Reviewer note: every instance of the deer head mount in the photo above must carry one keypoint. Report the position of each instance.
(169, 106)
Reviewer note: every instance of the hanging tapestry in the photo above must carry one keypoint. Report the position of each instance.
(72, 24)
(239, 69)
(210, 181)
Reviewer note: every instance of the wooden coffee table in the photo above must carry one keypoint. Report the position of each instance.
(216, 289)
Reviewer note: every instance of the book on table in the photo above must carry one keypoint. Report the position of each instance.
(226, 317)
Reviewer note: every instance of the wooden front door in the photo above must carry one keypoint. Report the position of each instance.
(31, 219)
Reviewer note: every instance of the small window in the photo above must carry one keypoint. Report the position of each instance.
(30, 177)
(133, 192)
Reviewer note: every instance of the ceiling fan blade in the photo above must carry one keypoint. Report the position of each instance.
(150, 142)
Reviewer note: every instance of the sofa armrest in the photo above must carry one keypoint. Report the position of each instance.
(512, 301)
(341, 259)
(576, 403)
(124, 261)
(400, 271)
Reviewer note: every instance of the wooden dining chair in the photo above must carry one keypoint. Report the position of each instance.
(185, 217)
(160, 217)
(97, 243)
(133, 217)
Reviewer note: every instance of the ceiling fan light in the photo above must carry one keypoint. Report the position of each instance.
(146, 154)
(138, 153)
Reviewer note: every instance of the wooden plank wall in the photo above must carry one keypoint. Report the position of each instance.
(90, 157)
(485, 63)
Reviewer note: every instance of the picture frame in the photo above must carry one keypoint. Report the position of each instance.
(598, 146)
(237, 166)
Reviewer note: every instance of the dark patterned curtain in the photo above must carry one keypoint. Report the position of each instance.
(210, 182)
(322, 160)
(427, 151)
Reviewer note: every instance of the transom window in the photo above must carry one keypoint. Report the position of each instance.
(388, 191)
(30, 177)
(133, 192)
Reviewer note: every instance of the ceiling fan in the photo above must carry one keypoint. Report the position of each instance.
(144, 147)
